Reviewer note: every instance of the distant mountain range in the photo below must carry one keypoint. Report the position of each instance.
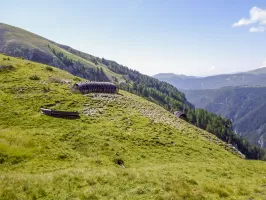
(182, 82)
(240, 97)
(245, 106)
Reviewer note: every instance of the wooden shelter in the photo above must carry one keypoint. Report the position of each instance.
(91, 87)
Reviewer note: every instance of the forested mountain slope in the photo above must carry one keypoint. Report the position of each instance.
(245, 106)
(121, 147)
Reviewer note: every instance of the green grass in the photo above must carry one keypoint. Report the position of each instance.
(53, 158)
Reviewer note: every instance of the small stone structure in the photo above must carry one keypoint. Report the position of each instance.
(180, 115)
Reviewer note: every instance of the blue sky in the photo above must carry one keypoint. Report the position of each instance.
(199, 37)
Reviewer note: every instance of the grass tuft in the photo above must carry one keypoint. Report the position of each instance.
(34, 77)
(48, 68)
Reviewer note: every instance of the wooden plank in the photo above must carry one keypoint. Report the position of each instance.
(59, 113)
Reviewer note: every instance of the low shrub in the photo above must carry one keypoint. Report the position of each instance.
(6, 68)
(48, 68)
(34, 77)
(46, 89)
(55, 80)
(77, 79)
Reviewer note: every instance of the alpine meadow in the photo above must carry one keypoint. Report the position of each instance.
(122, 147)
(83, 117)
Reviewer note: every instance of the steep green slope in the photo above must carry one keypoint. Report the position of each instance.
(245, 106)
(21, 43)
(53, 158)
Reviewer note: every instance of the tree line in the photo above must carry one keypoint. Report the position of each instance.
(79, 69)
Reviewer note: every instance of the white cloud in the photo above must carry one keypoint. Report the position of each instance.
(242, 22)
(256, 29)
(257, 15)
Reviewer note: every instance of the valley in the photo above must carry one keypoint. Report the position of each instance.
(245, 106)
(239, 97)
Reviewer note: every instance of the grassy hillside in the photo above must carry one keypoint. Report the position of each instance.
(122, 147)
(21, 43)
(245, 106)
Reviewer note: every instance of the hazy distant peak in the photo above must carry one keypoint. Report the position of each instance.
(256, 77)
(173, 75)
(261, 70)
